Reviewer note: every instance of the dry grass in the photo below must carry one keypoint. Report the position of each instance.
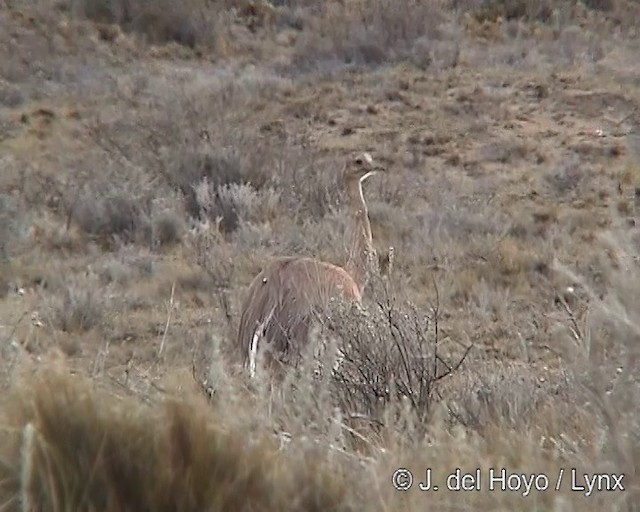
(106, 453)
(154, 155)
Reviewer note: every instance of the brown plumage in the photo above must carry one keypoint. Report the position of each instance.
(284, 298)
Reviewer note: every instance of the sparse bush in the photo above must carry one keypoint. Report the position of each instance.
(504, 151)
(128, 265)
(116, 133)
(112, 214)
(602, 351)
(491, 10)
(14, 225)
(460, 222)
(389, 354)
(377, 32)
(227, 205)
(314, 187)
(199, 176)
(567, 179)
(232, 186)
(190, 23)
(168, 228)
(10, 96)
(600, 5)
(80, 306)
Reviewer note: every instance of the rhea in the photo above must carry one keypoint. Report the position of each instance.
(284, 298)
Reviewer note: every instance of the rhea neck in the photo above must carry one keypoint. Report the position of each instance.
(361, 250)
(356, 197)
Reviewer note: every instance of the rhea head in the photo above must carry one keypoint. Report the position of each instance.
(360, 167)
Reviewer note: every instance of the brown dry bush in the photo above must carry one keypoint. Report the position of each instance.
(180, 144)
(189, 23)
(123, 207)
(623, 13)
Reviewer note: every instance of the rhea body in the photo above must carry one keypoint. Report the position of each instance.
(284, 298)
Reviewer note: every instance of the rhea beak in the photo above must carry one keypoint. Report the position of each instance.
(373, 171)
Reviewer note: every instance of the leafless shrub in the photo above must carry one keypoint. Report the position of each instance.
(128, 263)
(439, 53)
(575, 44)
(389, 354)
(80, 306)
(232, 186)
(504, 151)
(113, 213)
(168, 228)
(188, 23)
(491, 10)
(567, 179)
(212, 183)
(461, 222)
(324, 238)
(13, 225)
(600, 5)
(10, 96)
(216, 258)
(233, 204)
(313, 185)
(375, 33)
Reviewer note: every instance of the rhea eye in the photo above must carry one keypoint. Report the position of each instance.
(359, 161)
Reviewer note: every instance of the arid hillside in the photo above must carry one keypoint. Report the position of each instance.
(154, 156)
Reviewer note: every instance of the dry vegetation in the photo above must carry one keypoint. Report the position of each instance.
(153, 155)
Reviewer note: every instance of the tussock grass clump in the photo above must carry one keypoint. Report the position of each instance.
(65, 445)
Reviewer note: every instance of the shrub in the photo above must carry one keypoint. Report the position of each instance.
(377, 32)
(168, 228)
(80, 306)
(389, 354)
(188, 23)
(112, 214)
(14, 225)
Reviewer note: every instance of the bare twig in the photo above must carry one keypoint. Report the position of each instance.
(170, 308)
